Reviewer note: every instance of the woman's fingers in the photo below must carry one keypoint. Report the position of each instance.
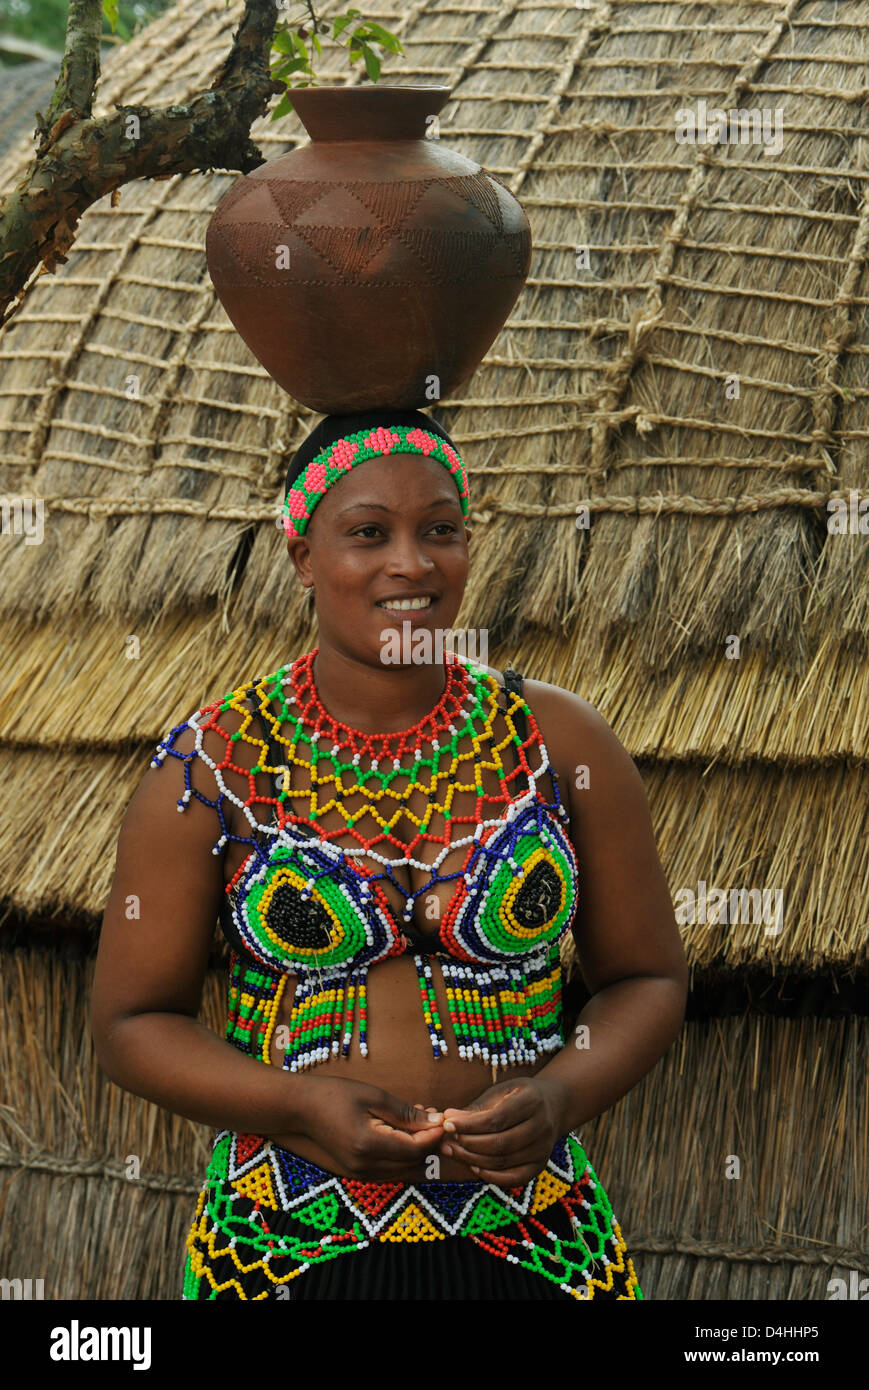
(506, 1142)
(498, 1163)
(504, 1112)
(398, 1143)
(517, 1176)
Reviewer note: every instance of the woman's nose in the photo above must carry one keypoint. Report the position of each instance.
(407, 558)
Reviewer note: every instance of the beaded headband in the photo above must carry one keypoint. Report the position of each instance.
(343, 454)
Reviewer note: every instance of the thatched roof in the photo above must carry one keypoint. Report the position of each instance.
(609, 385)
(25, 88)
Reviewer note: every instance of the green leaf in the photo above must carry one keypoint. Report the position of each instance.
(282, 42)
(283, 108)
(372, 63)
(317, 44)
(384, 38)
(340, 25)
(291, 65)
(299, 45)
(110, 10)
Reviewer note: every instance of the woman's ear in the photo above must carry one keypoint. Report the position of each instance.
(300, 553)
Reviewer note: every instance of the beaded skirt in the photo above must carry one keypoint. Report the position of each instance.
(270, 1224)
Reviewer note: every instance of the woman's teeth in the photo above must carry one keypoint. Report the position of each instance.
(404, 605)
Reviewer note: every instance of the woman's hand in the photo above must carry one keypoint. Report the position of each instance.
(507, 1134)
(370, 1134)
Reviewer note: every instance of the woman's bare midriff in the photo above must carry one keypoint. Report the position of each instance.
(400, 1058)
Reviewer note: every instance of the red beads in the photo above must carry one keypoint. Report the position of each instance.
(393, 745)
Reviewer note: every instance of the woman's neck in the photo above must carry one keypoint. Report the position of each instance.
(376, 699)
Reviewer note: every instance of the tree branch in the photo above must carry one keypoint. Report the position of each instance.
(80, 160)
(79, 67)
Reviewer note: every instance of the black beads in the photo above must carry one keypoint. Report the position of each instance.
(539, 898)
(299, 922)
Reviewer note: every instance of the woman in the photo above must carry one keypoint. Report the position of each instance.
(395, 849)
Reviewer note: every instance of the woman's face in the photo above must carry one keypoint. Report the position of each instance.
(390, 531)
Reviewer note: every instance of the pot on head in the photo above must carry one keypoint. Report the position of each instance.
(374, 266)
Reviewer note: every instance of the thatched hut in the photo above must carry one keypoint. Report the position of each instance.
(690, 361)
(24, 89)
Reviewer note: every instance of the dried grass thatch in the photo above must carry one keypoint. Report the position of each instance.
(607, 384)
(708, 521)
(24, 89)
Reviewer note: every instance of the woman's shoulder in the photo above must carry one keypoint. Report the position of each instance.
(220, 715)
(223, 716)
(561, 704)
(569, 724)
(210, 755)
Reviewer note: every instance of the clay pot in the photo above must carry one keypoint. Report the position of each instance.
(374, 266)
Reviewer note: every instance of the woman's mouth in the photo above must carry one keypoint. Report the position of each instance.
(405, 605)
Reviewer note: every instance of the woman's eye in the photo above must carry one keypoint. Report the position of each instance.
(444, 528)
(367, 531)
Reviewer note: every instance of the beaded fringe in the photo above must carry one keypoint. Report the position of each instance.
(505, 1015)
(326, 1007)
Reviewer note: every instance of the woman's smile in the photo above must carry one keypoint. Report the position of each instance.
(405, 607)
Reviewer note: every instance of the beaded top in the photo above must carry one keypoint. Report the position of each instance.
(360, 822)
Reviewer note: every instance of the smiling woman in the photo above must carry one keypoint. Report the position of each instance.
(395, 852)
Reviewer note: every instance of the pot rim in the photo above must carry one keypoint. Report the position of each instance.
(377, 112)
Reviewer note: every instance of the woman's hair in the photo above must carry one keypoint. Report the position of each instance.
(334, 427)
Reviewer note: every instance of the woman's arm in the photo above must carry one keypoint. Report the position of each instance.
(153, 954)
(628, 947)
(627, 942)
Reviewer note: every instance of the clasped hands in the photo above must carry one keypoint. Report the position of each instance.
(507, 1134)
